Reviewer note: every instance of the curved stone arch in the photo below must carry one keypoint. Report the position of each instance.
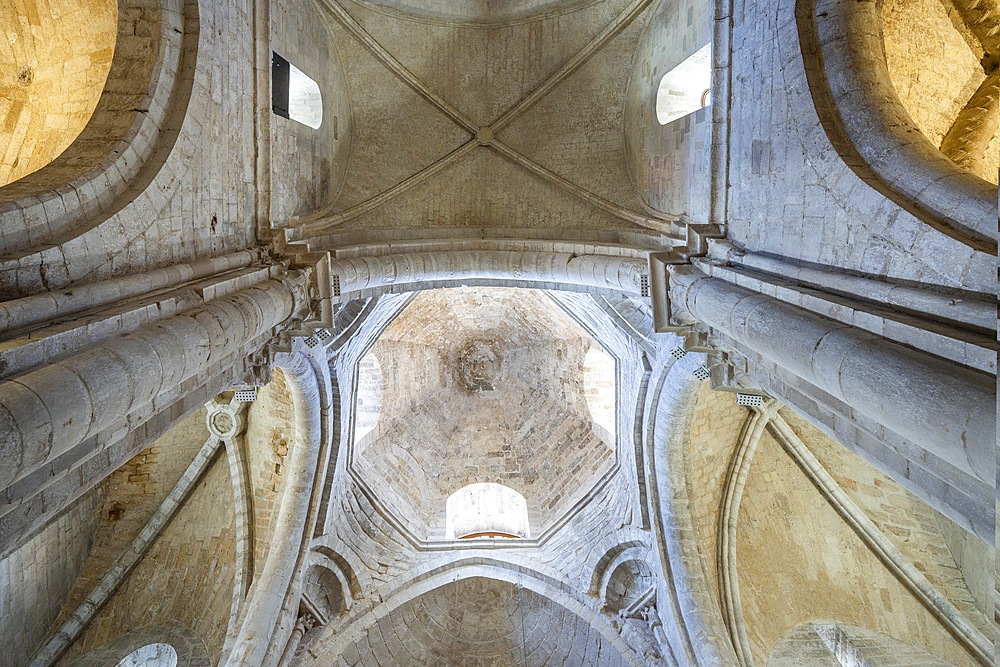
(325, 591)
(736, 477)
(468, 568)
(126, 141)
(345, 572)
(374, 275)
(607, 563)
(633, 557)
(700, 632)
(358, 576)
(191, 650)
(844, 58)
(269, 614)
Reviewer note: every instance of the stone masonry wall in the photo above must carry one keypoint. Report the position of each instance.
(670, 163)
(798, 560)
(307, 165)
(269, 432)
(35, 579)
(186, 577)
(715, 430)
(792, 194)
(201, 203)
(131, 495)
(911, 525)
(56, 59)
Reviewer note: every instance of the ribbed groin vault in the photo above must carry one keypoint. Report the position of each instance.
(548, 333)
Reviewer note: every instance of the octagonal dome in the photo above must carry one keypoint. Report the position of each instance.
(483, 385)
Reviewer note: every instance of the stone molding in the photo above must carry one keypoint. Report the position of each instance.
(239, 477)
(736, 477)
(374, 275)
(268, 617)
(696, 631)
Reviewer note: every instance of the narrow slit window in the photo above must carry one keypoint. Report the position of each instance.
(294, 95)
(486, 510)
(686, 88)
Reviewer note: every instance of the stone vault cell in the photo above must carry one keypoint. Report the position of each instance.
(54, 60)
(480, 621)
(483, 385)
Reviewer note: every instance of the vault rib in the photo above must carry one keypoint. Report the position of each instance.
(482, 136)
(612, 30)
(397, 68)
(569, 186)
(325, 223)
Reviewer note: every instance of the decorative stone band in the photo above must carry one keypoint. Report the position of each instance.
(51, 410)
(880, 379)
(844, 58)
(112, 162)
(374, 275)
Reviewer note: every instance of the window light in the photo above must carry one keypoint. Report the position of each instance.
(294, 95)
(486, 510)
(686, 88)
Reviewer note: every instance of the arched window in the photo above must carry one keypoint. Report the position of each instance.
(486, 510)
(294, 95)
(151, 655)
(599, 388)
(369, 401)
(686, 88)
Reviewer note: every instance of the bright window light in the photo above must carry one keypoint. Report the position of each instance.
(599, 387)
(151, 655)
(369, 402)
(486, 510)
(294, 95)
(686, 88)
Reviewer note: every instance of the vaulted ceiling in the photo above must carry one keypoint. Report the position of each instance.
(486, 385)
(479, 120)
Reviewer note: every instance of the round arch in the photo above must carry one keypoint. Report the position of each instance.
(669, 408)
(190, 650)
(469, 568)
(126, 140)
(374, 275)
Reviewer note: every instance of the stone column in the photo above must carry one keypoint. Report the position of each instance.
(48, 412)
(946, 409)
(303, 625)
